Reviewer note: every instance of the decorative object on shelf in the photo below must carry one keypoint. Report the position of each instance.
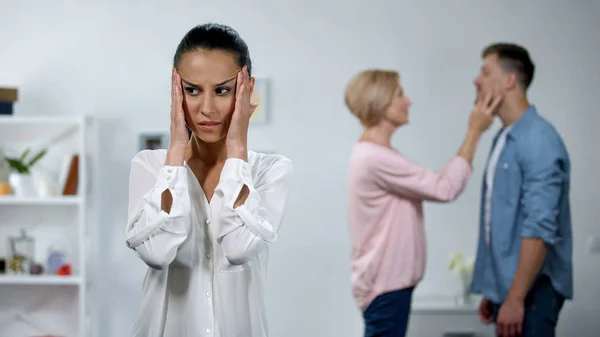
(15, 266)
(464, 269)
(21, 180)
(8, 96)
(56, 259)
(68, 181)
(23, 253)
(4, 185)
(37, 269)
(5, 188)
(2, 265)
(260, 96)
(64, 270)
(153, 141)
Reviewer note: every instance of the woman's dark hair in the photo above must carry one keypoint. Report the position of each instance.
(213, 36)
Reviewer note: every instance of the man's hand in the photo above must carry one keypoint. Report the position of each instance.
(510, 318)
(485, 311)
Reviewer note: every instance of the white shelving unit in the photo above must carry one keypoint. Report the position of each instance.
(46, 303)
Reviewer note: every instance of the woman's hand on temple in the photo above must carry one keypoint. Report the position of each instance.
(179, 137)
(237, 135)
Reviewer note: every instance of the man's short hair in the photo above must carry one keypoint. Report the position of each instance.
(513, 58)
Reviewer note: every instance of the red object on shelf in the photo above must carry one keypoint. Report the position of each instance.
(65, 269)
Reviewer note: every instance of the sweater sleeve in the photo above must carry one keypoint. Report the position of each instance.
(401, 176)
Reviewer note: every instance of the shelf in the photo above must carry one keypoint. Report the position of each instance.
(39, 280)
(20, 120)
(36, 201)
(31, 130)
(444, 305)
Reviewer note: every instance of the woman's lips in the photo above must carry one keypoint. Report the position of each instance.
(208, 125)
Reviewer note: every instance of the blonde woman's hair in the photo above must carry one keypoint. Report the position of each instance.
(369, 94)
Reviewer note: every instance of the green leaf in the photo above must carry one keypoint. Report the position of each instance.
(37, 157)
(24, 155)
(17, 165)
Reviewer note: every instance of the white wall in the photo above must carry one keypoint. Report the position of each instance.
(111, 60)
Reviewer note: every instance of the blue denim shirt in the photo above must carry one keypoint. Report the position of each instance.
(530, 198)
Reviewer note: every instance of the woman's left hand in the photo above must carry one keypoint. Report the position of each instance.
(237, 135)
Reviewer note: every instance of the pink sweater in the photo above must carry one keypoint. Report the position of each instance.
(387, 233)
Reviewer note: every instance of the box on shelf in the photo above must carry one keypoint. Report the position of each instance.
(8, 96)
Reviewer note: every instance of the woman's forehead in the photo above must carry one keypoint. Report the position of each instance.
(208, 67)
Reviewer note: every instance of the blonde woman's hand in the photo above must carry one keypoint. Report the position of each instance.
(482, 115)
(237, 135)
(179, 137)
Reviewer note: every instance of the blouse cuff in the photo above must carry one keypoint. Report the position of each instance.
(173, 178)
(235, 174)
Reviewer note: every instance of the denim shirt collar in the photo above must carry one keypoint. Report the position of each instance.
(522, 124)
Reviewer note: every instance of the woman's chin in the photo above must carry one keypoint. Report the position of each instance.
(209, 137)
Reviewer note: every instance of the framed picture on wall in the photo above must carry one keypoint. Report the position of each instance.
(261, 97)
(153, 141)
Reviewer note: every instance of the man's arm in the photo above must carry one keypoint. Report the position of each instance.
(531, 260)
(544, 175)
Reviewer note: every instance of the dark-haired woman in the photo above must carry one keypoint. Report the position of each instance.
(203, 213)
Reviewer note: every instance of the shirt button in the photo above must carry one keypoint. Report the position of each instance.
(207, 221)
(208, 256)
(208, 294)
(169, 170)
(168, 177)
(207, 330)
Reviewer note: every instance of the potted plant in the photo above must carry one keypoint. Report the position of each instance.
(464, 269)
(20, 178)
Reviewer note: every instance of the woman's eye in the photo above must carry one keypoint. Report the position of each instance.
(222, 91)
(192, 91)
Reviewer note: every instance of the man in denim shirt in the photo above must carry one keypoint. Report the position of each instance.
(524, 255)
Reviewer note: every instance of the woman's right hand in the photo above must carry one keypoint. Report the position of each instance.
(484, 111)
(179, 137)
(481, 118)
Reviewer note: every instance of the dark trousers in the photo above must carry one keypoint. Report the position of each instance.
(542, 308)
(388, 314)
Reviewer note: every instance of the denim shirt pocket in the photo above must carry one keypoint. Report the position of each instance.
(508, 182)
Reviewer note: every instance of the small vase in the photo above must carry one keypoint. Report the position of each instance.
(23, 185)
(464, 296)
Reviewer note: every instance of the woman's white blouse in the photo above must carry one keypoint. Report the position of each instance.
(207, 261)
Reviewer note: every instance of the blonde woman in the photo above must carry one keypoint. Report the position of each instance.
(386, 192)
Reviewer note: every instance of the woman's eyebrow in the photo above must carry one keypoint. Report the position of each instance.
(216, 85)
(233, 76)
(190, 83)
